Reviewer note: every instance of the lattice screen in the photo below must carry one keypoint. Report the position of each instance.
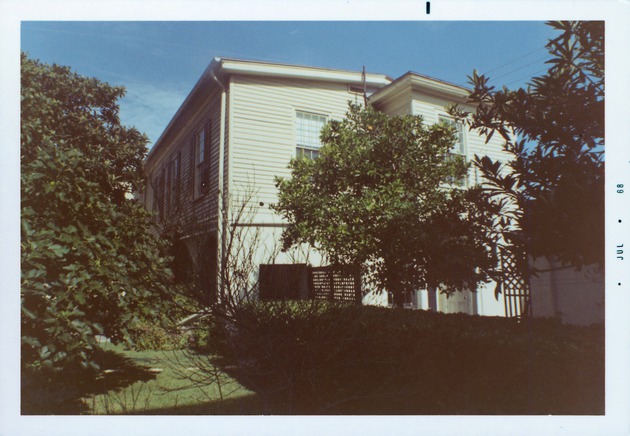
(516, 293)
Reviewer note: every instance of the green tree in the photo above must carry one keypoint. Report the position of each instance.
(379, 196)
(552, 191)
(90, 263)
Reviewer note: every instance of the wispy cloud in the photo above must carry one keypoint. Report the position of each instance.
(149, 108)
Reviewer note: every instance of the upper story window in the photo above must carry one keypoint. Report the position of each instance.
(155, 186)
(199, 167)
(458, 150)
(308, 127)
(158, 194)
(459, 147)
(174, 183)
(200, 149)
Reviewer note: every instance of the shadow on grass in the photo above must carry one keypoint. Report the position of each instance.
(469, 384)
(246, 405)
(62, 394)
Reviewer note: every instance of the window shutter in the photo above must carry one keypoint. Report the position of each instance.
(161, 196)
(167, 191)
(156, 193)
(191, 172)
(178, 171)
(206, 151)
(205, 182)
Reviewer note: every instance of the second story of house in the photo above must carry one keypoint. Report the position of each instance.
(245, 120)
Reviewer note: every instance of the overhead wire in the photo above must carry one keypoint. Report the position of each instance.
(515, 60)
(530, 75)
(521, 68)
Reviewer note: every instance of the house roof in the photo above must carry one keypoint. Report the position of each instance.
(260, 68)
(419, 82)
(205, 83)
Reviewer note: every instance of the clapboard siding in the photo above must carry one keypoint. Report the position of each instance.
(193, 213)
(262, 135)
(493, 149)
(262, 138)
(397, 106)
(428, 106)
(431, 108)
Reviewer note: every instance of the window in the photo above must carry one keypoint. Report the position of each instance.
(199, 161)
(158, 195)
(458, 151)
(201, 140)
(458, 147)
(167, 188)
(174, 180)
(307, 130)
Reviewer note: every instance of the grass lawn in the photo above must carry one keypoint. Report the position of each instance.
(351, 360)
(141, 382)
(172, 385)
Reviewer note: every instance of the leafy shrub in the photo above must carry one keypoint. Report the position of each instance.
(90, 261)
(156, 337)
(313, 357)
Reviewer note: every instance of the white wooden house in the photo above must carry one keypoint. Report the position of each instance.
(243, 122)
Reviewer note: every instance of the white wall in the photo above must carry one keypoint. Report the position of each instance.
(262, 129)
(487, 303)
(576, 297)
(481, 302)
(374, 298)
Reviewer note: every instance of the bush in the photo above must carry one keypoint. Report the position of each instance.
(169, 334)
(147, 336)
(91, 262)
(314, 357)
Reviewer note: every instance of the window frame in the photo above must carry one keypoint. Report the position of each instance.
(306, 148)
(442, 118)
(175, 174)
(156, 194)
(160, 193)
(463, 149)
(199, 160)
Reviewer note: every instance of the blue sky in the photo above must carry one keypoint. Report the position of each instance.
(159, 62)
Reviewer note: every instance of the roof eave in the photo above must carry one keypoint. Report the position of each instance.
(206, 77)
(418, 82)
(268, 69)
